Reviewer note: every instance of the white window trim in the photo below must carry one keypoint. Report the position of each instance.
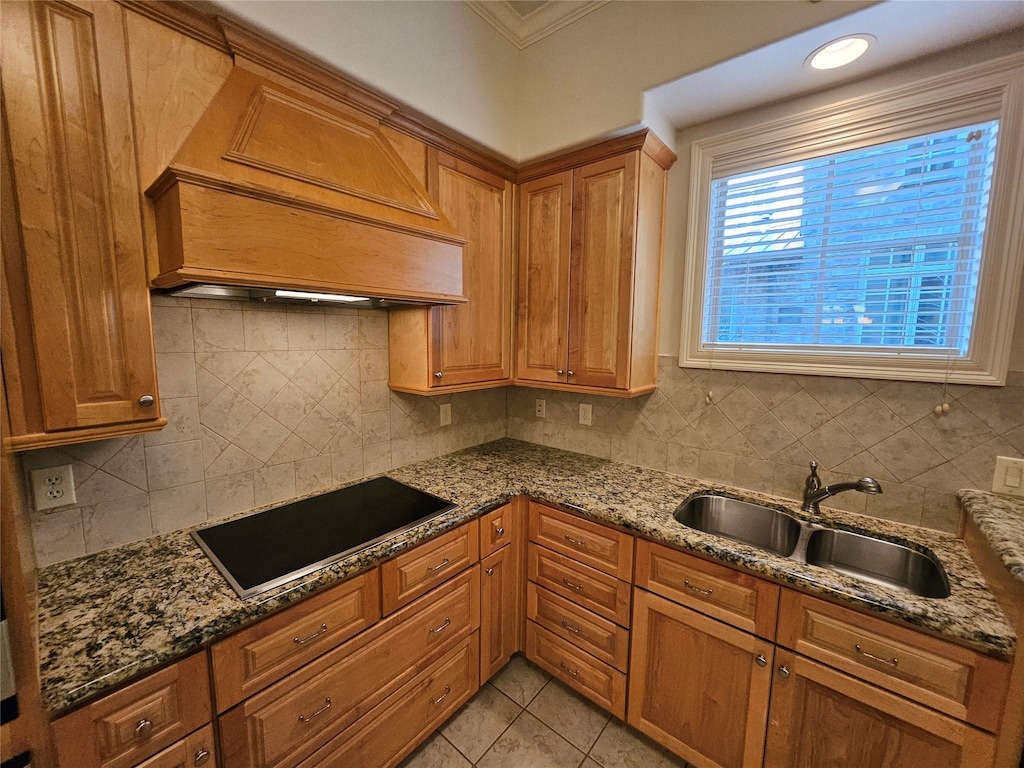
(994, 89)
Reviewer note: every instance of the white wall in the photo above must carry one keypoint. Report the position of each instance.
(440, 58)
(679, 177)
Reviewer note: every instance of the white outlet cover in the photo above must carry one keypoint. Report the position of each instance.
(586, 414)
(446, 414)
(1009, 476)
(53, 487)
(540, 409)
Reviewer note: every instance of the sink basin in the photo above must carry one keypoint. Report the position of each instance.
(878, 561)
(741, 521)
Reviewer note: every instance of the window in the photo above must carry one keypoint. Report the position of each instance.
(873, 239)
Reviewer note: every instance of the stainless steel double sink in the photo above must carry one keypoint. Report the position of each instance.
(861, 556)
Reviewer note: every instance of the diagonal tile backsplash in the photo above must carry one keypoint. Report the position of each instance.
(264, 403)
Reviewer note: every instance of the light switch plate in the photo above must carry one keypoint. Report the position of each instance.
(446, 414)
(53, 487)
(1009, 476)
(586, 414)
(540, 410)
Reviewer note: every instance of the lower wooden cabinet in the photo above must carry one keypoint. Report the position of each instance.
(197, 750)
(823, 718)
(698, 686)
(499, 589)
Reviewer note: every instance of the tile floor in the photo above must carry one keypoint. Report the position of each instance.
(523, 718)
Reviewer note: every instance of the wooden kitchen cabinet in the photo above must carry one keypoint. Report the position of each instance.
(77, 335)
(468, 346)
(590, 268)
(699, 686)
(823, 718)
(499, 589)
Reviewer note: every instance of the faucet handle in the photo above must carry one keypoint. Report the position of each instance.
(813, 482)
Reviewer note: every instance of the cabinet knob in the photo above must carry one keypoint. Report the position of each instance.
(146, 400)
(144, 728)
(783, 671)
(202, 758)
(761, 661)
(560, 372)
(490, 571)
(572, 373)
(438, 374)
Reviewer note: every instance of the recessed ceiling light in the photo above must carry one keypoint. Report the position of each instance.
(840, 52)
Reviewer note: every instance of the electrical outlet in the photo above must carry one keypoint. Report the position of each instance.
(541, 409)
(53, 487)
(446, 414)
(586, 414)
(1009, 476)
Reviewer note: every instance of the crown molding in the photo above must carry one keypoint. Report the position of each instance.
(523, 31)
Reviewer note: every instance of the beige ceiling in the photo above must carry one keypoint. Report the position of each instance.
(524, 22)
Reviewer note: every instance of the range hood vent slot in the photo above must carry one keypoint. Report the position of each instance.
(274, 189)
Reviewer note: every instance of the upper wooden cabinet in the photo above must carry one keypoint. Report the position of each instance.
(453, 348)
(590, 268)
(77, 334)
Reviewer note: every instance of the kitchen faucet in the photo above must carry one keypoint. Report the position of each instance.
(814, 494)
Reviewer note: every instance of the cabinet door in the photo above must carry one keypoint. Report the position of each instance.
(545, 213)
(65, 84)
(499, 583)
(472, 342)
(823, 718)
(698, 686)
(604, 210)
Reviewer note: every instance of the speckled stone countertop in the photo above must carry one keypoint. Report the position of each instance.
(1001, 520)
(108, 617)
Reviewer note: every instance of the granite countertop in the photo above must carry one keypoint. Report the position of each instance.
(1001, 520)
(108, 617)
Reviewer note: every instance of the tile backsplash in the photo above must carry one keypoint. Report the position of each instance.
(761, 430)
(266, 403)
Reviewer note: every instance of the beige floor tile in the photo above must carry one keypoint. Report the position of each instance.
(619, 746)
(570, 715)
(520, 680)
(436, 752)
(482, 719)
(528, 742)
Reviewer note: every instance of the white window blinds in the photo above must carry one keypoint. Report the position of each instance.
(876, 249)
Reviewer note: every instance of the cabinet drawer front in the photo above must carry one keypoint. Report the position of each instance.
(745, 601)
(136, 722)
(497, 529)
(596, 545)
(594, 679)
(947, 677)
(252, 659)
(393, 729)
(413, 573)
(333, 691)
(195, 749)
(596, 591)
(599, 637)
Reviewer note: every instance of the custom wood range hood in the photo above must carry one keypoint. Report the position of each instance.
(274, 189)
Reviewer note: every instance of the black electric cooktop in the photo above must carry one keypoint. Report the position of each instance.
(262, 551)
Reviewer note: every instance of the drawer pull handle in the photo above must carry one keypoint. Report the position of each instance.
(894, 663)
(442, 628)
(439, 566)
(307, 638)
(571, 628)
(570, 585)
(570, 670)
(500, 530)
(576, 542)
(698, 590)
(143, 729)
(761, 661)
(324, 708)
(202, 758)
(443, 696)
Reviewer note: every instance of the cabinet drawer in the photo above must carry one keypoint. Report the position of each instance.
(497, 529)
(194, 751)
(947, 677)
(596, 591)
(594, 679)
(599, 637)
(422, 568)
(596, 545)
(252, 659)
(745, 601)
(396, 727)
(138, 721)
(331, 692)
